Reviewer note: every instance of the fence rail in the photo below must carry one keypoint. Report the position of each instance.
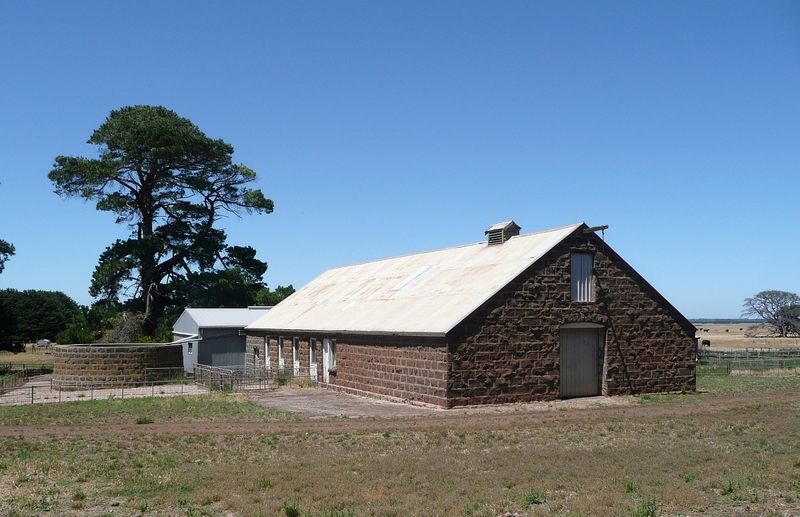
(216, 378)
(12, 380)
(40, 393)
(32, 369)
(13, 375)
(764, 362)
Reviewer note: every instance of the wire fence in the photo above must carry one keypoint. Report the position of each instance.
(32, 369)
(763, 362)
(14, 375)
(216, 378)
(12, 380)
(159, 382)
(46, 392)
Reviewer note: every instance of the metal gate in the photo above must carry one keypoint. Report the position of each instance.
(580, 362)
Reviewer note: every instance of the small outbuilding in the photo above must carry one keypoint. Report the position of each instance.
(515, 318)
(214, 337)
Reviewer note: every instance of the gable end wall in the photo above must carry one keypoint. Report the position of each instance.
(508, 349)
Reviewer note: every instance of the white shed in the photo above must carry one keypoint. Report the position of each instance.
(213, 337)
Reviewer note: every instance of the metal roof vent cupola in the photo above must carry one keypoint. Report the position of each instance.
(501, 232)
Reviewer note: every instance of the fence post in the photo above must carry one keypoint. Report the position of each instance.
(32, 388)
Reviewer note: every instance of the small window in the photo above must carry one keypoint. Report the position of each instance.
(582, 265)
(190, 348)
(333, 353)
(255, 352)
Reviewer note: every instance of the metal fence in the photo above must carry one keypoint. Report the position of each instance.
(46, 392)
(160, 382)
(31, 369)
(12, 380)
(232, 378)
(764, 362)
(12, 376)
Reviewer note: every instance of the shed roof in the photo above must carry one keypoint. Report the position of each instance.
(222, 318)
(421, 294)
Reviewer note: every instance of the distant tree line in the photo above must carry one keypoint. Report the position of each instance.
(28, 316)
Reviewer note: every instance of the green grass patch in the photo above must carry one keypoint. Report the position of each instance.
(741, 384)
(228, 407)
(533, 497)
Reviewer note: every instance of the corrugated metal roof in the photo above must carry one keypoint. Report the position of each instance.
(425, 293)
(220, 318)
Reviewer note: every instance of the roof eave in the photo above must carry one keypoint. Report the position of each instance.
(346, 332)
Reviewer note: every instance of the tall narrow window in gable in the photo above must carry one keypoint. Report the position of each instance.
(581, 274)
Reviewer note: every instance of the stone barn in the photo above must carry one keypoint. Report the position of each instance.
(515, 318)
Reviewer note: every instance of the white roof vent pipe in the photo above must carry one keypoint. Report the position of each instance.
(501, 232)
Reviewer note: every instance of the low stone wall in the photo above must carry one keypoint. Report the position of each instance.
(112, 364)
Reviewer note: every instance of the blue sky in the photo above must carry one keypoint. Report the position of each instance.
(382, 129)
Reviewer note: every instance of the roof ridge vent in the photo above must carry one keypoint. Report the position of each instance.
(501, 232)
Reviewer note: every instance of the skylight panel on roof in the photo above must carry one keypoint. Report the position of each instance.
(418, 273)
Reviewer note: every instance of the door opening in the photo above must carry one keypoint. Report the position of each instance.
(581, 360)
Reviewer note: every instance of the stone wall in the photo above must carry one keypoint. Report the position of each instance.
(412, 373)
(508, 350)
(412, 369)
(254, 352)
(111, 365)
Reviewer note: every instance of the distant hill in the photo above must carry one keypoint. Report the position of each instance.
(728, 321)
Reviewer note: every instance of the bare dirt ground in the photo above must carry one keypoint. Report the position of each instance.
(317, 404)
(38, 390)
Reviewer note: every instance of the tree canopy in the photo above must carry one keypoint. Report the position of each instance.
(779, 309)
(267, 297)
(6, 251)
(170, 184)
(27, 316)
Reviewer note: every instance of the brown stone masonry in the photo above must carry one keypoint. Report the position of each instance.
(413, 369)
(413, 373)
(508, 350)
(110, 365)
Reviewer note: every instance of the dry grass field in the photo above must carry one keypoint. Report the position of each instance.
(739, 335)
(733, 449)
(40, 358)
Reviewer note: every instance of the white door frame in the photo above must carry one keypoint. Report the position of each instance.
(312, 358)
(326, 358)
